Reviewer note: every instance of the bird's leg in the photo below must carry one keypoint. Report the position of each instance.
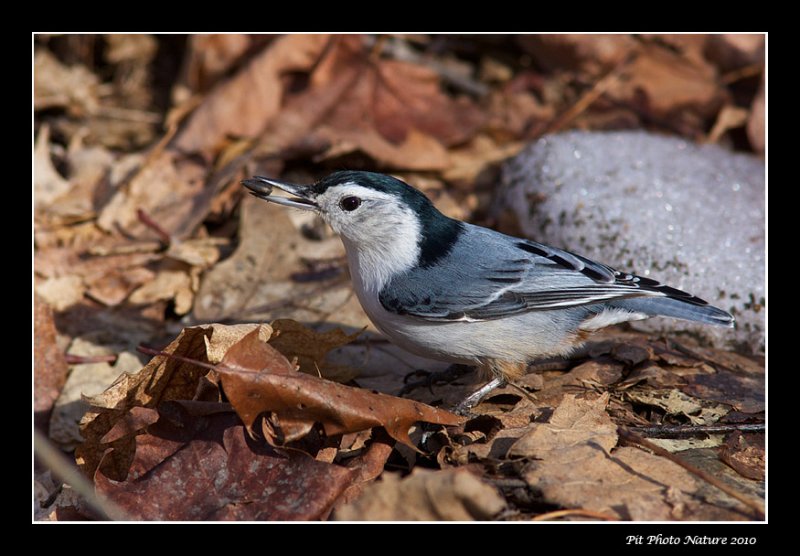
(450, 374)
(465, 405)
(504, 372)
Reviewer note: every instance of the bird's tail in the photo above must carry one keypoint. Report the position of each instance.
(677, 308)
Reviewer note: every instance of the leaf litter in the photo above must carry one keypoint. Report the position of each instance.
(132, 449)
(144, 246)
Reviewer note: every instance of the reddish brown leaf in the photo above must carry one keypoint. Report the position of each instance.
(49, 365)
(368, 466)
(252, 355)
(160, 380)
(393, 111)
(311, 347)
(744, 393)
(300, 400)
(243, 105)
(206, 468)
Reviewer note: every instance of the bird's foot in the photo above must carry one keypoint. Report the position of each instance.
(447, 376)
(464, 406)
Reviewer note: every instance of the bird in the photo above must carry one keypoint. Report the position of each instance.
(464, 294)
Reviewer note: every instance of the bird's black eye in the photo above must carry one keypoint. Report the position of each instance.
(350, 203)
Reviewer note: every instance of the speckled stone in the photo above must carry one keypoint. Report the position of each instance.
(687, 215)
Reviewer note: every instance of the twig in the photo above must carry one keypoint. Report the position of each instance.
(635, 439)
(52, 458)
(741, 73)
(521, 390)
(578, 511)
(126, 249)
(590, 96)
(150, 351)
(127, 114)
(558, 364)
(681, 431)
(148, 221)
(85, 359)
(506, 482)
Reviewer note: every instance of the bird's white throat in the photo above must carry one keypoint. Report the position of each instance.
(392, 248)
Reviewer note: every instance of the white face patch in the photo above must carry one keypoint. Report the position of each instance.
(381, 235)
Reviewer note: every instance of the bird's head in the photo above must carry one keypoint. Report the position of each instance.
(372, 212)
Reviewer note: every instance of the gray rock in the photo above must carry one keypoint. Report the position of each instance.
(687, 215)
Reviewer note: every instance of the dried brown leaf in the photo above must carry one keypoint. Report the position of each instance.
(167, 284)
(265, 231)
(587, 376)
(591, 54)
(250, 354)
(395, 111)
(66, 267)
(700, 411)
(450, 495)
(368, 466)
(49, 365)
(732, 361)
(296, 401)
(209, 57)
(237, 478)
(418, 151)
(199, 252)
(574, 466)
(162, 379)
(746, 458)
(89, 170)
(310, 348)
(55, 85)
(743, 393)
(170, 188)
(668, 84)
(729, 117)
(392, 111)
(243, 105)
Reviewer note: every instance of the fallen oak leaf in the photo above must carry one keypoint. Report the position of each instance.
(300, 400)
(256, 380)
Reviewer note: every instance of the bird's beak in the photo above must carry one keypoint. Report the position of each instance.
(262, 188)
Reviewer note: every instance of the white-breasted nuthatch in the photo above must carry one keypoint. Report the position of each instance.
(460, 293)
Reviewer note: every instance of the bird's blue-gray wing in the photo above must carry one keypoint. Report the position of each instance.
(488, 275)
